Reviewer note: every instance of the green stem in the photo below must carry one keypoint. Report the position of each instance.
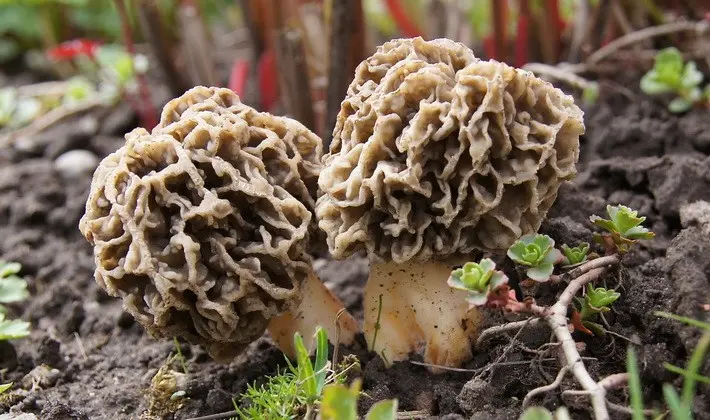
(377, 324)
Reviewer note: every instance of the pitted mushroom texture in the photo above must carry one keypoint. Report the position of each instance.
(436, 153)
(200, 226)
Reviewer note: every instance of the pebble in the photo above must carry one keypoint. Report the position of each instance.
(75, 163)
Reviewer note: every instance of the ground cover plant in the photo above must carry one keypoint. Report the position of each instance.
(473, 241)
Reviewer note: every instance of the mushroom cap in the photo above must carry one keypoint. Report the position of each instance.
(436, 154)
(201, 226)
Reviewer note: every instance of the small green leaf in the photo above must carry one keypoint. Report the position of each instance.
(339, 402)
(575, 255)
(600, 297)
(5, 387)
(26, 111)
(679, 105)
(13, 289)
(541, 273)
(692, 77)
(9, 268)
(651, 86)
(383, 410)
(13, 329)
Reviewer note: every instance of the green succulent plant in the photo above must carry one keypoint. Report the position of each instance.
(598, 300)
(623, 225)
(671, 75)
(537, 252)
(575, 255)
(478, 279)
(12, 289)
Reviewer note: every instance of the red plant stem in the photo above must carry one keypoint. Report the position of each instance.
(522, 41)
(399, 13)
(147, 112)
(500, 17)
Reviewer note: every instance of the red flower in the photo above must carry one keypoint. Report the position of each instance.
(71, 49)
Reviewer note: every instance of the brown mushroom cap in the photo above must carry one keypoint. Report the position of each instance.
(436, 153)
(202, 226)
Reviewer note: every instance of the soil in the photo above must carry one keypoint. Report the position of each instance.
(87, 359)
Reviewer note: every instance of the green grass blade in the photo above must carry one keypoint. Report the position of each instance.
(5, 387)
(321, 359)
(634, 385)
(686, 373)
(684, 319)
(694, 365)
(678, 412)
(305, 368)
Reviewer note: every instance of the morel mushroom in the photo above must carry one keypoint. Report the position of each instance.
(202, 226)
(437, 156)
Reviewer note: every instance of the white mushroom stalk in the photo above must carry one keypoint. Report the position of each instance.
(319, 307)
(409, 308)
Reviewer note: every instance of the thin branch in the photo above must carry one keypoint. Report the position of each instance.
(699, 28)
(499, 329)
(561, 74)
(591, 265)
(49, 119)
(546, 388)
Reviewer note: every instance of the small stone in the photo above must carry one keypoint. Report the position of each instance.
(42, 376)
(74, 163)
(475, 395)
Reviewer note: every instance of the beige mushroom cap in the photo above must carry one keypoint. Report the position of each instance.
(436, 153)
(202, 226)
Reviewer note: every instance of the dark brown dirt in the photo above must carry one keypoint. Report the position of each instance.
(634, 153)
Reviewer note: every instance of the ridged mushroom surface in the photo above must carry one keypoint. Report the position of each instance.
(201, 226)
(436, 153)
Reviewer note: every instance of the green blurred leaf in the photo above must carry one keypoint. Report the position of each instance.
(9, 49)
(8, 103)
(26, 111)
(13, 289)
(79, 90)
(679, 105)
(5, 387)
(340, 402)
(536, 413)
(13, 329)
(383, 410)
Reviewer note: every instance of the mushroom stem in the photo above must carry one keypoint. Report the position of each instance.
(419, 313)
(318, 307)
